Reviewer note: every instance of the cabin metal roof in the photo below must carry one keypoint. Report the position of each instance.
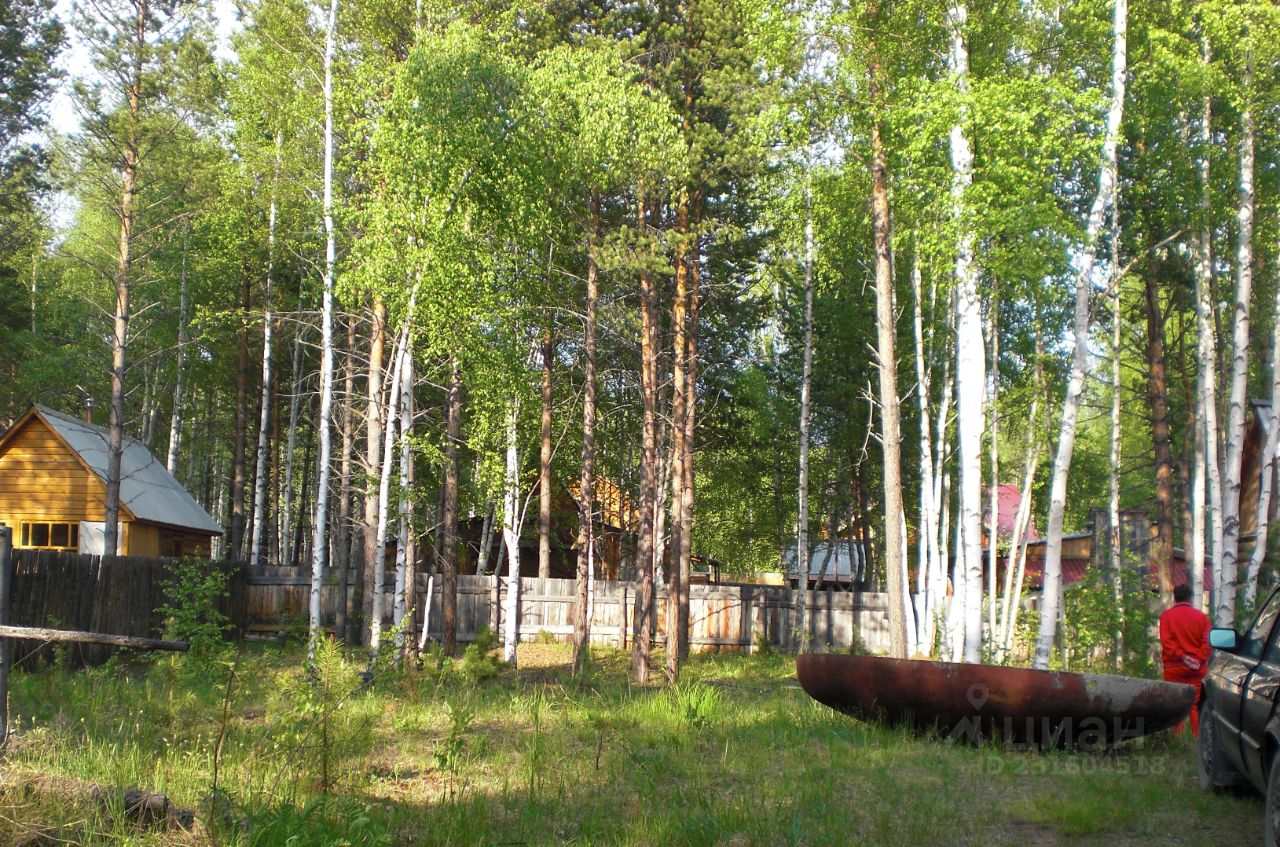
(147, 488)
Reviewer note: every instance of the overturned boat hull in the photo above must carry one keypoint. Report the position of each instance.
(989, 703)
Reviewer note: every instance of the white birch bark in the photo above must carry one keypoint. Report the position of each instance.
(939, 575)
(486, 541)
(993, 532)
(320, 529)
(1052, 589)
(384, 492)
(404, 577)
(512, 518)
(970, 357)
(184, 309)
(1268, 463)
(802, 520)
(1226, 596)
(264, 421)
(927, 547)
(1016, 561)
(291, 445)
(1207, 356)
(1113, 502)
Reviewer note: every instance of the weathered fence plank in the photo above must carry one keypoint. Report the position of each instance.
(723, 617)
(115, 594)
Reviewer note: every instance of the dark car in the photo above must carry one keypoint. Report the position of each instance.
(1239, 724)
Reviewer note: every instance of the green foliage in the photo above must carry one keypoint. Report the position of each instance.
(1094, 620)
(194, 591)
(479, 659)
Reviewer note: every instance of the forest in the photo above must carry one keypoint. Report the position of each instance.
(723, 278)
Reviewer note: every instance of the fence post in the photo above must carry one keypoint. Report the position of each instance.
(6, 645)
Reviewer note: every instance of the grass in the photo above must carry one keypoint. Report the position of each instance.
(736, 754)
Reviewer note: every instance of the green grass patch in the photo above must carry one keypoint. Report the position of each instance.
(472, 752)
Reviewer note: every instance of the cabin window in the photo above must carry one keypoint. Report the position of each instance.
(46, 535)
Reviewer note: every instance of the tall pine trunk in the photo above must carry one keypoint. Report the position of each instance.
(123, 281)
(343, 544)
(886, 353)
(645, 548)
(373, 424)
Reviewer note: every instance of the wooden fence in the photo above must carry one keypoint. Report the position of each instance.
(119, 595)
(723, 617)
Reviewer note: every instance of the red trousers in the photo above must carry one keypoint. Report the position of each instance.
(1186, 676)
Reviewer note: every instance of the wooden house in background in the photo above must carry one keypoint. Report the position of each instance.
(53, 471)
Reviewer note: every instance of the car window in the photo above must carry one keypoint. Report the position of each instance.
(1254, 640)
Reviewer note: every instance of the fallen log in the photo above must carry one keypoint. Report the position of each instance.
(37, 633)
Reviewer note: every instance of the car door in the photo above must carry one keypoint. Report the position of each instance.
(1259, 701)
(1231, 678)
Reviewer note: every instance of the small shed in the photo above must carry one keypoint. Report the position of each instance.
(53, 471)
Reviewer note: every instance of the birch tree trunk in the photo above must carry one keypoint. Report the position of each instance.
(586, 478)
(993, 500)
(264, 421)
(240, 437)
(802, 521)
(1207, 352)
(321, 525)
(449, 555)
(373, 425)
(184, 315)
(544, 462)
(511, 521)
(402, 605)
(1268, 463)
(970, 358)
(295, 399)
(927, 546)
(1052, 589)
(1226, 597)
(1113, 503)
(1016, 560)
(384, 490)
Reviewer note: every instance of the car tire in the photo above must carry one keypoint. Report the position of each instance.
(1215, 772)
(1271, 816)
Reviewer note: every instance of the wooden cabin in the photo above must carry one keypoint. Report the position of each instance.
(53, 471)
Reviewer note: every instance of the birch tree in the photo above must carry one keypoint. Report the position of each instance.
(1102, 202)
(970, 356)
(320, 528)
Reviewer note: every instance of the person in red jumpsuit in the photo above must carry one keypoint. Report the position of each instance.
(1184, 647)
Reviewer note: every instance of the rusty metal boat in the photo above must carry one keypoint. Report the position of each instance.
(978, 703)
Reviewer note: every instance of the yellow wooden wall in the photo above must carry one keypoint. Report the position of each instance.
(42, 480)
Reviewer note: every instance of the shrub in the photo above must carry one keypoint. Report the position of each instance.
(478, 661)
(192, 593)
